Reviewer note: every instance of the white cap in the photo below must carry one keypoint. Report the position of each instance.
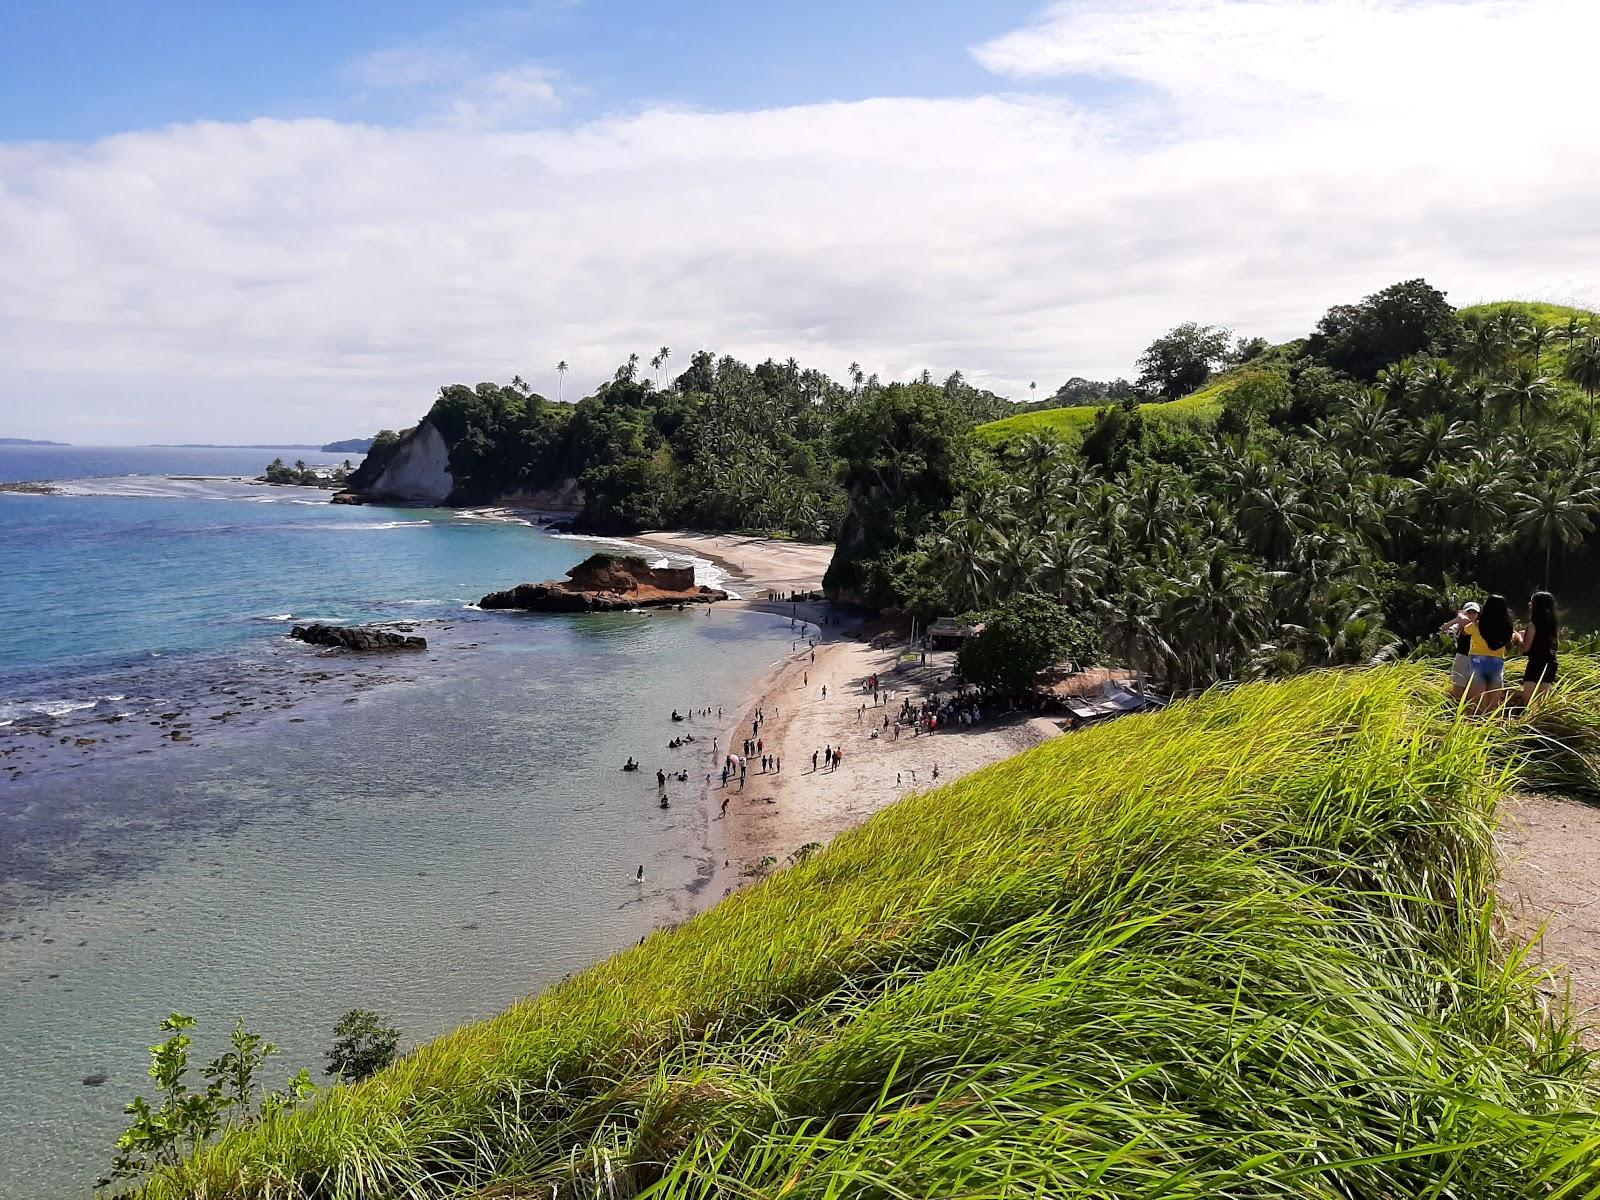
(1471, 606)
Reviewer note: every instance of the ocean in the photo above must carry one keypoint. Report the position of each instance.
(197, 813)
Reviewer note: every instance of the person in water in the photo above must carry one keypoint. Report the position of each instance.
(1539, 644)
(630, 765)
(1489, 637)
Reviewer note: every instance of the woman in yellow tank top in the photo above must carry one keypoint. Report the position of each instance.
(1489, 638)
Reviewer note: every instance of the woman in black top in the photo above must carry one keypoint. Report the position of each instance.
(1539, 644)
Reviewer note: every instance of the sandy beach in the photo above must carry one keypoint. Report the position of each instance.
(777, 812)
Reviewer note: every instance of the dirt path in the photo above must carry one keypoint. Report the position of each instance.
(1550, 852)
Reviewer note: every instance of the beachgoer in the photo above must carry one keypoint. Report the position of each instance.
(630, 765)
(1489, 637)
(936, 770)
(824, 691)
(664, 803)
(726, 800)
(639, 878)
(813, 760)
(1539, 644)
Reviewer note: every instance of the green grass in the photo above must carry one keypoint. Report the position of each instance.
(1203, 406)
(1244, 948)
(1070, 424)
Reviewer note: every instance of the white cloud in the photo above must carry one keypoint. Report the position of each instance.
(313, 278)
(513, 98)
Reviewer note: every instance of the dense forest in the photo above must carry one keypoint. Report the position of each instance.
(1237, 509)
(1342, 491)
(722, 446)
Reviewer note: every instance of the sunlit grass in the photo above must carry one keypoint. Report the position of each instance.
(1241, 948)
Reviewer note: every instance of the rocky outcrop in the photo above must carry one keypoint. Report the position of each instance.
(416, 472)
(607, 583)
(354, 637)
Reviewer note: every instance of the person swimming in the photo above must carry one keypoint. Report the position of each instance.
(630, 765)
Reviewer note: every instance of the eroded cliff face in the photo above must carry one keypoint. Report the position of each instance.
(419, 472)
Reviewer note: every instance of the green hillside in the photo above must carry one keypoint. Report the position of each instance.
(1242, 948)
(1205, 404)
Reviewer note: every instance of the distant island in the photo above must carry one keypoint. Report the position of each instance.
(235, 446)
(29, 442)
(348, 446)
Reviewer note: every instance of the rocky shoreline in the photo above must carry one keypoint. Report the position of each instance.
(607, 583)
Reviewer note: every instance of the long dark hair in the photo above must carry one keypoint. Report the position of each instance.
(1542, 616)
(1494, 623)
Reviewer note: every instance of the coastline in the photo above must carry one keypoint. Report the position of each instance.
(776, 813)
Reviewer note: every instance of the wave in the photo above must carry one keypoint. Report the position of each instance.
(18, 710)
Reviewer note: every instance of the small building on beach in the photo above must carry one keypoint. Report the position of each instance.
(947, 633)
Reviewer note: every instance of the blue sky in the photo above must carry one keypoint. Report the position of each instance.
(296, 221)
(76, 69)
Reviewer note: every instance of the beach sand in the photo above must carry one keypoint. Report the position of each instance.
(776, 813)
(754, 564)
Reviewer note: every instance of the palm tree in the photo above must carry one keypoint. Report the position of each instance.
(1485, 348)
(1270, 517)
(1033, 390)
(561, 372)
(856, 376)
(1577, 326)
(661, 360)
(1528, 390)
(1536, 335)
(1554, 510)
(631, 371)
(1583, 369)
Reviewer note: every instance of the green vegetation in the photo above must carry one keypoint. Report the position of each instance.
(1315, 519)
(184, 1117)
(723, 446)
(301, 475)
(1022, 637)
(364, 1043)
(1245, 948)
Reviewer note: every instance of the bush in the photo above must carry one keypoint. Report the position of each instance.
(1021, 638)
(364, 1044)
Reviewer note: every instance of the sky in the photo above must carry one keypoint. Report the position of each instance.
(235, 221)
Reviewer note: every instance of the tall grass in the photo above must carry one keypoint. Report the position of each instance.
(1243, 948)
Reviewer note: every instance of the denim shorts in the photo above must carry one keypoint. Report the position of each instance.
(1489, 669)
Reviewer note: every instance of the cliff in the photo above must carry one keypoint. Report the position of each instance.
(607, 583)
(414, 470)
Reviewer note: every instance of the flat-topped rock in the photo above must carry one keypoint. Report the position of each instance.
(607, 583)
(356, 637)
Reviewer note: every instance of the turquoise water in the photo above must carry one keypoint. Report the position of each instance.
(430, 835)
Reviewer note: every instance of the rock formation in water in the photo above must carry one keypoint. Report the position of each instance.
(607, 583)
(354, 637)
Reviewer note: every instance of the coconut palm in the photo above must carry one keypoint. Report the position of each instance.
(1583, 369)
(1485, 349)
(1271, 517)
(1530, 391)
(662, 356)
(1538, 333)
(1555, 510)
(561, 373)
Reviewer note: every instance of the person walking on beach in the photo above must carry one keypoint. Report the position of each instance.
(725, 802)
(813, 761)
(639, 878)
(1539, 644)
(824, 691)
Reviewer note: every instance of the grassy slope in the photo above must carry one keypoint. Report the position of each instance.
(1070, 424)
(1240, 948)
(1554, 358)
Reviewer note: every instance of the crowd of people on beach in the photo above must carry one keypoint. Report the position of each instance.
(1485, 635)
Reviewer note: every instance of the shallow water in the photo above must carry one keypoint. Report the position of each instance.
(430, 835)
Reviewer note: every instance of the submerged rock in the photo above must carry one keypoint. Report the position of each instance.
(355, 637)
(607, 583)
